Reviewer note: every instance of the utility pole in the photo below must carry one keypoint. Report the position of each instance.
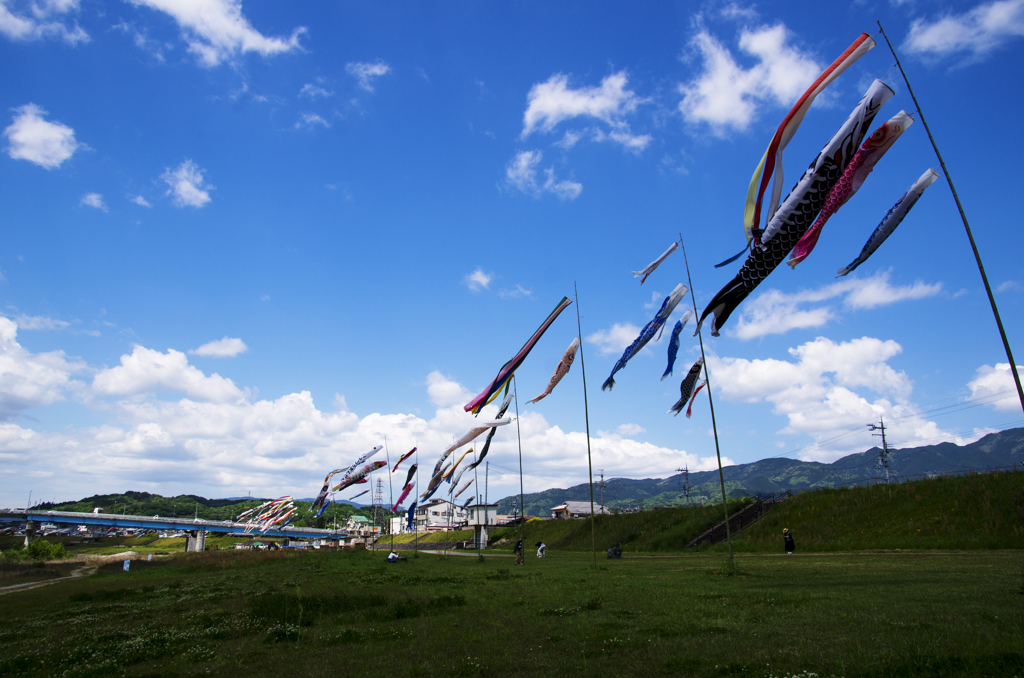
(487, 470)
(883, 455)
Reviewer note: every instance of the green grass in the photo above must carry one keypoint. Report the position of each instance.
(956, 512)
(348, 613)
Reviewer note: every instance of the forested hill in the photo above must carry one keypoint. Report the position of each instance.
(1002, 449)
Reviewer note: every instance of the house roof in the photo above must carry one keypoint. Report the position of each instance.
(359, 519)
(580, 508)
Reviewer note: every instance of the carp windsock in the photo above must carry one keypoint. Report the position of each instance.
(403, 458)
(405, 493)
(647, 333)
(892, 219)
(800, 208)
(487, 443)
(871, 151)
(505, 373)
(673, 343)
(561, 370)
(686, 388)
(649, 268)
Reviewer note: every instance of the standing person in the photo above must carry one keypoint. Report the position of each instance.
(519, 552)
(540, 549)
(787, 537)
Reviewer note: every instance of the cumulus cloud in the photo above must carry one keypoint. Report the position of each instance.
(186, 185)
(29, 380)
(614, 340)
(630, 429)
(41, 20)
(1009, 285)
(974, 34)
(726, 95)
(554, 101)
(776, 312)
(216, 31)
(147, 371)
(996, 387)
(366, 73)
(94, 200)
(228, 347)
(30, 137)
(818, 393)
(478, 280)
(521, 174)
(445, 392)
(139, 200)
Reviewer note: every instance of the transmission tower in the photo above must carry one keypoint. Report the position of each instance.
(601, 471)
(686, 483)
(882, 462)
(378, 501)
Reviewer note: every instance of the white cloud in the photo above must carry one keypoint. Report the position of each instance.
(44, 22)
(445, 392)
(94, 200)
(478, 280)
(31, 138)
(615, 340)
(29, 380)
(139, 200)
(726, 95)
(552, 102)
(1010, 285)
(366, 73)
(775, 312)
(521, 173)
(186, 185)
(818, 394)
(310, 120)
(228, 347)
(40, 322)
(147, 371)
(313, 91)
(216, 31)
(996, 385)
(976, 33)
(630, 429)
(515, 293)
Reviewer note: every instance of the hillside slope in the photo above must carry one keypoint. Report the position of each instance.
(1002, 449)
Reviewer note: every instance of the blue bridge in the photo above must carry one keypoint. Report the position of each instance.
(197, 528)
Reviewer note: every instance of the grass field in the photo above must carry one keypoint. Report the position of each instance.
(351, 614)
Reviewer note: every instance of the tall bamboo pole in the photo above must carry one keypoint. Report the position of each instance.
(963, 217)
(586, 419)
(711, 401)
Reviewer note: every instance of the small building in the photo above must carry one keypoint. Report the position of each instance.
(577, 509)
(480, 518)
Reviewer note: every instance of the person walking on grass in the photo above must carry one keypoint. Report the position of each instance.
(519, 552)
(541, 546)
(787, 537)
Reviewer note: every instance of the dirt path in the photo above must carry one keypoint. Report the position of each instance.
(470, 554)
(83, 571)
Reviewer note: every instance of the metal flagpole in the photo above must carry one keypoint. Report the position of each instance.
(714, 426)
(522, 509)
(586, 419)
(963, 217)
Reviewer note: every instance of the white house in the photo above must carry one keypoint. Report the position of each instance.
(440, 514)
(577, 509)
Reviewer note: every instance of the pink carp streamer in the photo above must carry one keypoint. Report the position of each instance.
(560, 371)
(871, 151)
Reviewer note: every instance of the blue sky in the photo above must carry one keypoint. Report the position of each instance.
(243, 243)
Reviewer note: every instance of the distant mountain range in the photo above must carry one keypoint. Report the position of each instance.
(1004, 449)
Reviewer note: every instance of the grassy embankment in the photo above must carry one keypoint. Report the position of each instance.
(984, 511)
(348, 613)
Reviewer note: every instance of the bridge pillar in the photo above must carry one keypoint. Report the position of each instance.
(196, 541)
(30, 531)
